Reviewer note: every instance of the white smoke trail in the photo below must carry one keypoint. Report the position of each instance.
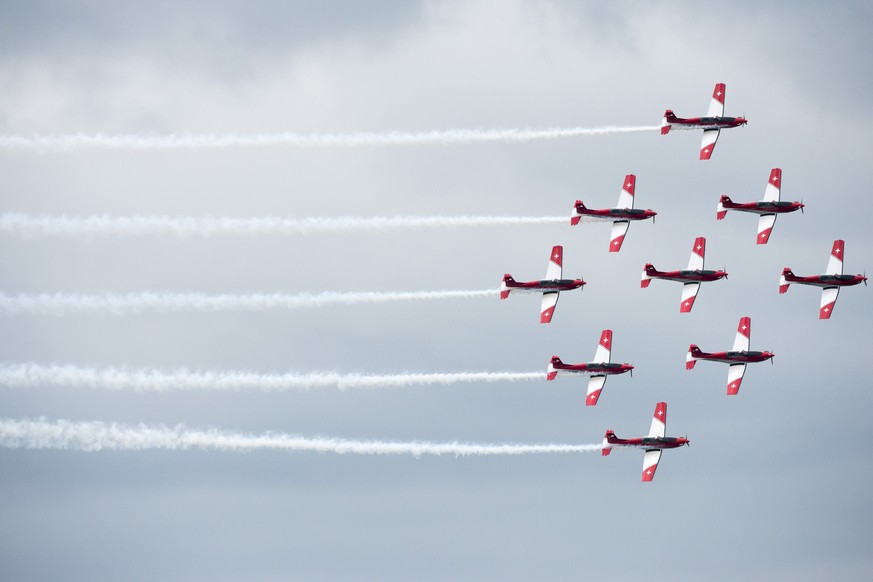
(32, 376)
(97, 436)
(54, 143)
(135, 303)
(29, 226)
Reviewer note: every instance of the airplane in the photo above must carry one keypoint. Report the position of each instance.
(738, 357)
(830, 282)
(711, 124)
(621, 215)
(653, 444)
(598, 369)
(691, 277)
(550, 287)
(767, 209)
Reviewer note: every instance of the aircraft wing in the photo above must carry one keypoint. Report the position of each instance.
(710, 136)
(774, 186)
(735, 377)
(744, 332)
(828, 299)
(595, 385)
(689, 294)
(659, 421)
(835, 261)
(626, 198)
(650, 463)
(604, 348)
(698, 252)
(556, 262)
(547, 310)
(616, 237)
(765, 226)
(716, 105)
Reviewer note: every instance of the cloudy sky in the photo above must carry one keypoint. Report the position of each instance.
(776, 483)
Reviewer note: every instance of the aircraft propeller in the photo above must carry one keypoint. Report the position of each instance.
(801, 205)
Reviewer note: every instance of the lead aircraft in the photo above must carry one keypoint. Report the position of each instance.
(738, 357)
(550, 287)
(691, 277)
(621, 215)
(711, 125)
(767, 209)
(830, 282)
(598, 369)
(653, 444)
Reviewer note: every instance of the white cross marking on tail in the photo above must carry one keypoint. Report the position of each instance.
(699, 247)
(827, 309)
(628, 185)
(837, 250)
(615, 242)
(744, 328)
(660, 413)
(733, 385)
(649, 472)
(718, 93)
(556, 255)
(775, 178)
(763, 235)
(706, 151)
(687, 303)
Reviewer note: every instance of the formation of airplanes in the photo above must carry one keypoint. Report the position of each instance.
(739, 356)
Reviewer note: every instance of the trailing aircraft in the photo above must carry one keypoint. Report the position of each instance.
(737, 358)
(830, 282)
(691, 277)
(653, 444)
(767, 209)
(621, 215)
(599, 369)
(550, 287)
(711, 125)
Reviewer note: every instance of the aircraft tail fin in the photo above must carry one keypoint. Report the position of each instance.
(607, 439)
(783, 282)
(551, 372)
(720, 210)
(665, 122)
(577, 214)
(504, 289)
(646, 278)
(691, 356)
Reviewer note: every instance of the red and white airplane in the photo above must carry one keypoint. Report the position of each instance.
(598, 369)
(691, 277)
(621, 215)
(830, 282)
(767, 209)
(738, 357)
(550, 287)
(653, 444)
(711, 124)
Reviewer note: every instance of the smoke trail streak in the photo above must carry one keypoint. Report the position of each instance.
(97, 436)
(32, 376)
(136, 303)
(54, 143)
(30, 226)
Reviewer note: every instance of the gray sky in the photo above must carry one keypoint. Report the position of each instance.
(776, 483)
